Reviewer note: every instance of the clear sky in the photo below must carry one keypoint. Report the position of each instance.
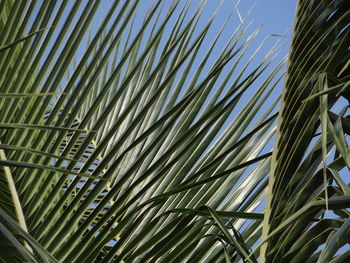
(276, 15)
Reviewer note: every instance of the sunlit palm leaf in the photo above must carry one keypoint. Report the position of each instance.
(138, 111)
(149, 139)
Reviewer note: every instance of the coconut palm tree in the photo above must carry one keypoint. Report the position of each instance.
(148, 139)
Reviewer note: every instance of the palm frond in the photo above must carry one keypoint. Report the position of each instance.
(319, 53)
(145, 131)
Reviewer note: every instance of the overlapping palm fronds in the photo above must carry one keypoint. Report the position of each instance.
(148, 140)
(133, 148)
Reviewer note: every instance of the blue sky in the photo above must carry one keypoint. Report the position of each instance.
(277, 16)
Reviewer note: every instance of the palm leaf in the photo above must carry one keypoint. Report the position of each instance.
(319, 52)
(139, 112)
(147, 137)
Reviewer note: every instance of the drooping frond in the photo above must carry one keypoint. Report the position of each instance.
(306, 180)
